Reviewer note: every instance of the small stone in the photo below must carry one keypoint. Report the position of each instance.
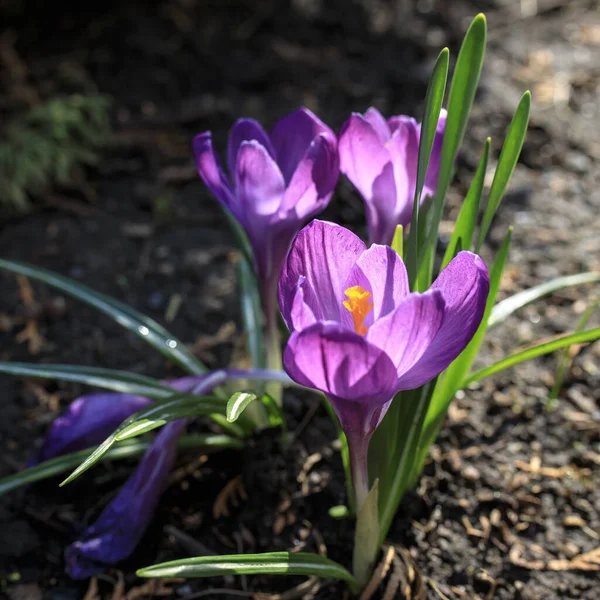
(470, 473)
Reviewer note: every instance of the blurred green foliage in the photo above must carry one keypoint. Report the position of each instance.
(48, 145)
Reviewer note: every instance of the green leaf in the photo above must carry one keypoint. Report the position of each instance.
(462, 236)
(344, 451)
(507, 307)
(141, 326)
(269, 563)
(274, 412)
(511, 150)
(565, 359)
(398, 241)
(108, 379)
(123, 450)
(452, 379)
(434, 99)
(252, 314)
(237, 404)
(540, 349)
(408, 414)
(152, 417)
(462, 93)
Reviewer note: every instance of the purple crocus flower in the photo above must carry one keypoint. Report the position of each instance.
(379, 157)
(276, 183)
(88, 421)
(359, 335)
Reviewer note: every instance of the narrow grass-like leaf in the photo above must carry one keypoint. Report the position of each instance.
(409, 422)
(141, 326)
(123, 450)
(566, 356)
(452, 379)
(251, 314)
(108, 379)
(398, 241)
(507, 307)
(237, 404)
(462, 93)
(269, 563)
(149, 418)
(511, 150)
(274, 412)
(434, 99)
(344, 451)
(462, 236)
(539, 349)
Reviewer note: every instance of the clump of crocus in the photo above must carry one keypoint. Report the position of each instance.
(276, 183)
(379, 157)
(358, 333)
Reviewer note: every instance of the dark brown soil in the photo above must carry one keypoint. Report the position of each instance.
(509, 501)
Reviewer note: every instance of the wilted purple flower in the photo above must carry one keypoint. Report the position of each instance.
(88, 421)
(359, 335)
(380, 158)
(276, 183)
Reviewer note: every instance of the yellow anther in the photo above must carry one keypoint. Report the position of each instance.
(359, 305)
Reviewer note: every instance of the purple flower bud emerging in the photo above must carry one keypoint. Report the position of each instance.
(380, 158)
(276, 182)
(359, 335)
(88, 421)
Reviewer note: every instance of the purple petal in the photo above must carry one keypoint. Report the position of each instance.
(301, 314)
(323, 253)
(211, 172)
(259, 184)
(245, 130)
(88, 421)
(433, 169)
(465, 285)
(122, 524)
(406, 333)
(380, 271)
(313, 182)
(292, 136)
(379, 124)
(367, 163)
(340, 363)
(363, 156)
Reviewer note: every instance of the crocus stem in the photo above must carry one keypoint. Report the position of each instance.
(367, 524)
(272, 340)
(358, 448)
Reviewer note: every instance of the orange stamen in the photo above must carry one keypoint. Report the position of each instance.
(359, 305)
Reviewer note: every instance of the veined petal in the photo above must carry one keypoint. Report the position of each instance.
(245, 130)
(363, 156)
(211, 172)
(292, 136)
(323, 253)
(259, 184)
(88, 421)
(122, 524)
(313, 181)
(380, 271)
(379, 124)
(301, 315)
(328, 357)
(465, 285)
(406, 333)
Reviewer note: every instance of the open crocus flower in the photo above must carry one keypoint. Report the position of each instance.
(276, 183)
(380, 157)
(359, 335)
